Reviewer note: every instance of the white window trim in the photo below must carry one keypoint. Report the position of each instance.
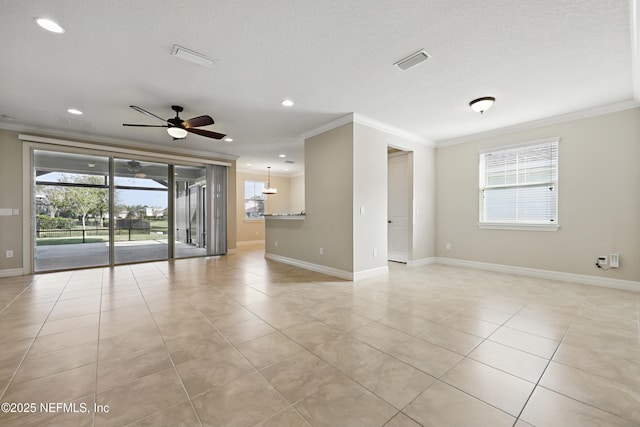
(257, 219)
(521, 227)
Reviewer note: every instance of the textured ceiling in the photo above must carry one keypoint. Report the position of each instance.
(539, 59)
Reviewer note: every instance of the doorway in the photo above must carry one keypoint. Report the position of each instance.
(398, 205)
(190, 211)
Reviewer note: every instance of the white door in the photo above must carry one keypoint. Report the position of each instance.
(398, 208)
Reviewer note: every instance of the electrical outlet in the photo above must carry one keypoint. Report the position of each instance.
(602, 260)
(375, 253)
(276, 243)
(321, 251)
(448, 246)
(9, 253)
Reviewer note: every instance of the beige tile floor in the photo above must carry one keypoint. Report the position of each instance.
(242, 341)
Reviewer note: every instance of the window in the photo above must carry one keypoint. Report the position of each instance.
(519, 187)
(255, 203)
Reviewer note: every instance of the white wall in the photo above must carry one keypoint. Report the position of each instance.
(369, 202)
(599, 201)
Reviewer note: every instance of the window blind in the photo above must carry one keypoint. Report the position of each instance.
(520, 185)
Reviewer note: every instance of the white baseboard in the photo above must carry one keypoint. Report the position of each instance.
(422, 261)
(629, 285)
(10, 272)
(372, 272)
(330, 271)
(249, 242)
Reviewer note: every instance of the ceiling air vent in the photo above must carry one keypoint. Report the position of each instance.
(289, 161)
(192, 56)
(412, 60)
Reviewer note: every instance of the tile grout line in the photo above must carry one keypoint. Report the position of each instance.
(2, 395)
(175, 369)
(95, 389)
(465, 357)
(537, 384)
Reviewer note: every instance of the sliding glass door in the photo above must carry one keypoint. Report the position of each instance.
(190, 211)
(141, 211)
(71, 203)
(94, 210)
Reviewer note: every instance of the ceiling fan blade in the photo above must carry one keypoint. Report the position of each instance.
(207, 133)
(145, 112)
(146, 126)
(198, 121)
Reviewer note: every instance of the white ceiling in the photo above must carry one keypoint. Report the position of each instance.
(540, 59)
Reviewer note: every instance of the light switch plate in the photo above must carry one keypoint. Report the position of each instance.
(6, 212)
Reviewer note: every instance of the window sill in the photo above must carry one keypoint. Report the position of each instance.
(519, 227)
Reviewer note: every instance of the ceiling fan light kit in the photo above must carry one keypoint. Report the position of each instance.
(178, 128)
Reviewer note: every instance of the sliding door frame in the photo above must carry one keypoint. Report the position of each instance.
(30, 143)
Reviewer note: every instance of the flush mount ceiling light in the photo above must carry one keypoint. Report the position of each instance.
(481, 105)
(287, 103)
(229, 139)
(74, 111)
(177, 133)
(50, 25)
(269, 189)
(413, 60)
(192, 56)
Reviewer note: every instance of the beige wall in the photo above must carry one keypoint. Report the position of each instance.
(346, 169)
(10, 197)
(328, 203)
(296, 198)
(599, 201)
(252, 230)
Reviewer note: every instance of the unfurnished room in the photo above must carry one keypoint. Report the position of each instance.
(320, 213)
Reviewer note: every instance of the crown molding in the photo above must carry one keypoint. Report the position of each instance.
(583, 114)
(369, 122)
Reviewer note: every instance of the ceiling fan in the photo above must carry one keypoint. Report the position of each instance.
(178, 128)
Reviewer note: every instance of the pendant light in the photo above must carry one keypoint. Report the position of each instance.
(269, 189)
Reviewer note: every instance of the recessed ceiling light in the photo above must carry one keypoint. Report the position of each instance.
(249, 164)
(49, 25)
(74, 111)
(287, 103)
(229, 139)
(282, 155)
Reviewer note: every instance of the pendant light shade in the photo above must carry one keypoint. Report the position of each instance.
(481, 105)
(269, 189)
